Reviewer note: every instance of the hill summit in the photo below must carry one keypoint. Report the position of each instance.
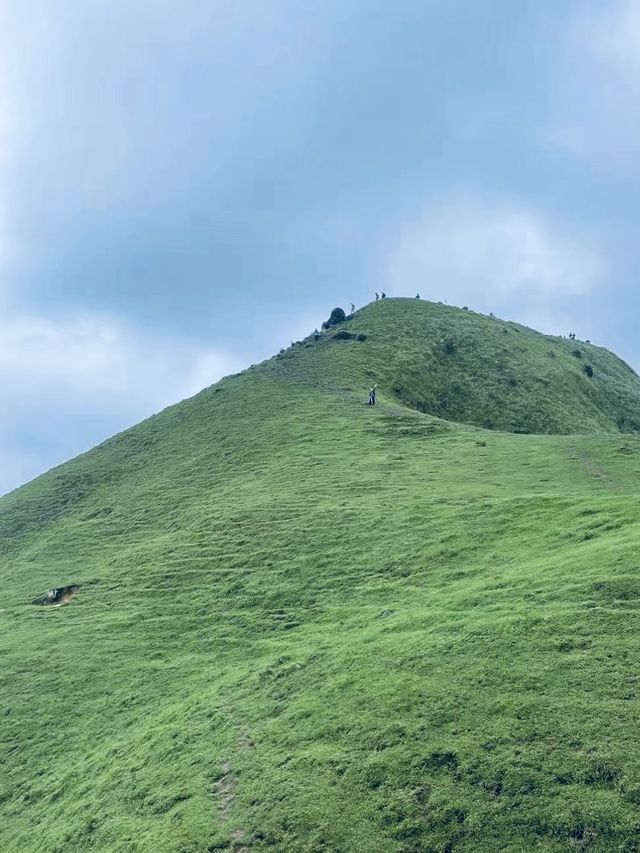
(475, 369)
(273, 618)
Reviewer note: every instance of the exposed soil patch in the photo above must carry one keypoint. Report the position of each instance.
(225, 792)
(225, 789)
(57, 596)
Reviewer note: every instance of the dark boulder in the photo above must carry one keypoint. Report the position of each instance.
(337, 316)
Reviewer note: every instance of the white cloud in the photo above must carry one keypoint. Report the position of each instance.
(613, 34)
(485, 255)
(14, 59)
(96, 355)
(203, 368)
(65, 386)
(594, 105)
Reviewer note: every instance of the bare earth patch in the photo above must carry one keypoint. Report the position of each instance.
(225, 791)
(57, 596)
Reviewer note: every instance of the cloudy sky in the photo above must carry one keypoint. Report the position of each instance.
(185, 186)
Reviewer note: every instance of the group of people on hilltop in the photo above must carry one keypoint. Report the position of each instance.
(381, 296)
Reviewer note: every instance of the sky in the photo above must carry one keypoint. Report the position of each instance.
(187, 186)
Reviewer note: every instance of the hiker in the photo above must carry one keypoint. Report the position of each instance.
(372, 396)
(353, 308)
(377, 297)
(417, 296)
(316, 334)
(383, 296)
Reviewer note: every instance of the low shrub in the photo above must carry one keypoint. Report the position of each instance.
(438, 760)
(602, 774)
(588, 370)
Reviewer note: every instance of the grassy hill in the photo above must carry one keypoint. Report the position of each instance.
(474, 369)
(306, 624)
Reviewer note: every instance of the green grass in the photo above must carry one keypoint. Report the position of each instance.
(474, 369)
(306, 624)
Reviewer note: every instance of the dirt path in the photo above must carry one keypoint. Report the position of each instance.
(594, 469)
(225, 793)
(225, 790)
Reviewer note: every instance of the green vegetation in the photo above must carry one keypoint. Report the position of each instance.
(306, 624)
(474, 369)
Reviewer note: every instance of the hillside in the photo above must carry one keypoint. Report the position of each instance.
(306, 624)
(474, 369)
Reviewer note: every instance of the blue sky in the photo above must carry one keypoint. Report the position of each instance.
(185, 186)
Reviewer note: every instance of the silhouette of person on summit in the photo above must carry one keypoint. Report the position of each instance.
(377, 297)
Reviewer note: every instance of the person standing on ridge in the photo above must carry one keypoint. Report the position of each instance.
(372, 396)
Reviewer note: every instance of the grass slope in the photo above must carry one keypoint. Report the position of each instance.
(474, 369)
(305, 624)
